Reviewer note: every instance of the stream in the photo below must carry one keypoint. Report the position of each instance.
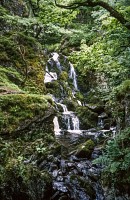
(74, 177)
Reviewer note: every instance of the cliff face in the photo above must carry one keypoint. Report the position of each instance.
(25, 110)
(22, 66)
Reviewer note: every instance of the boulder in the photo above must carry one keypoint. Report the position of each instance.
(85, 150)
(97, 108)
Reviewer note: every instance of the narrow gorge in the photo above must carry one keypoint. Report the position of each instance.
(64, 100)
(74, 175)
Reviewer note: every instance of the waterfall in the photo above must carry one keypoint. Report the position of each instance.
(56, 60)
(75, 122)
(55, 56)
(50, 76)
(70, 137)
(73, 76)
(70, 119)
(79, 102)
(56, 126)
(65, 110)
(100, 122)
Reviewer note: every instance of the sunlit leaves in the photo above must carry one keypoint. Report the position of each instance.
(49, 13)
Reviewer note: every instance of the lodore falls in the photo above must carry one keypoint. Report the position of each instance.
(64, 100)
(75, 177)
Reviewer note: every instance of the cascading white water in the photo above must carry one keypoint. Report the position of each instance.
(50, 76)
(75, 122)
(72, 121)
(55, 56)
(56, 60)
(100, 122)
(79, 102)
(56, 126)
(73, 76)
(65, 110)
(68, 134)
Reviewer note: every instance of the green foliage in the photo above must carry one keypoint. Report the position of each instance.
(17, 109)
(123, 89)
(116, 161)
(18, 168)
(103, 64)
(100, 51)
(63, 76)
(50, 14)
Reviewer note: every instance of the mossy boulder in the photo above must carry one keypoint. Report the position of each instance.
(71, 105)
(54, 88)
(20, 110)
(88, 118)
(97, 108)
(52, 85)
(85, 150)
(20, 61)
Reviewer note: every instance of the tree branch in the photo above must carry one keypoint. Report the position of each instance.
(90, 3)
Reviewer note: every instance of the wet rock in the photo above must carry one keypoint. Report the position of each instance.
(108, 121)
(89, 189)
(74, 158)
(59, 178)
(87, 186)
(42, 165)
(60, 186)
(94, 174)
(55, 173)
(85, 150)
(96, 153)
(71, 165)
(96, 108)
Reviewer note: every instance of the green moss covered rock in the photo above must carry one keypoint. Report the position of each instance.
(85, 150)
(20, 110)
(88, 118)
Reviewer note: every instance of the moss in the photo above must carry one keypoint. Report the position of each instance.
(22, 55)
(79, 96)
(10, 78)
(85, 150)
(54, 88)
(63, 76)
(18, 109)
(122, 89)
(16, 172)
(87, 117)
(71, 105)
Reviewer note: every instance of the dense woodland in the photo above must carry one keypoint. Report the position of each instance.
(94, 35)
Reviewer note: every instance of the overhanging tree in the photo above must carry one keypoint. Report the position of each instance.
(94, 3)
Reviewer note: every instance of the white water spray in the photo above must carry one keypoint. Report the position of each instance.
(56, 126)
(73, 76)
